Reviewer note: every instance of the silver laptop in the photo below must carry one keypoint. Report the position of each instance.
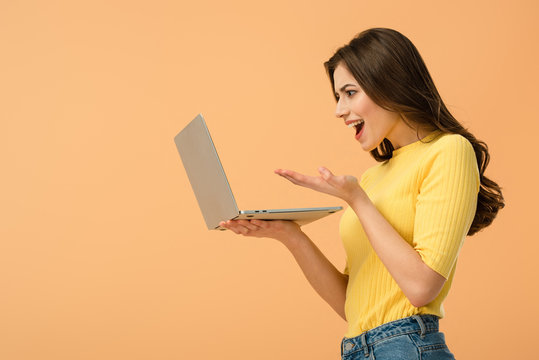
(211, 188)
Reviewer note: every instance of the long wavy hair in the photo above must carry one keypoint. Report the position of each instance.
(392, 73)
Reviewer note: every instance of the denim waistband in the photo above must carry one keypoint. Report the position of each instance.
(421, 324)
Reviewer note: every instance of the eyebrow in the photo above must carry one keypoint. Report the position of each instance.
(344, 86)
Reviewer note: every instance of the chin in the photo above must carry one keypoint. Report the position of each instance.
(368, 147)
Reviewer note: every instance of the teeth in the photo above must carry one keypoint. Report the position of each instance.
(357, 122)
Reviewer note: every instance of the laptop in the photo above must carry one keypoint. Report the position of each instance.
(211, 187)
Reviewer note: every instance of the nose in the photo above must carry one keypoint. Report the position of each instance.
(341, 110)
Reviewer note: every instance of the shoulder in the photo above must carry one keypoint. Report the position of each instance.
(450, 148)
(450, 156)
(447, 142)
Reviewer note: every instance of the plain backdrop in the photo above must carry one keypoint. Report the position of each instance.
(103, 251)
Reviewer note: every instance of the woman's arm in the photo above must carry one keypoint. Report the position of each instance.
(326, 280)
(419, 283)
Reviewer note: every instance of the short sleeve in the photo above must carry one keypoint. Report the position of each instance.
(446, 202)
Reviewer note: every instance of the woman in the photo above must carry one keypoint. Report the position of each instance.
(407, 217)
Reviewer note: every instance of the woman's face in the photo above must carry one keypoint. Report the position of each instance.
(371, 122)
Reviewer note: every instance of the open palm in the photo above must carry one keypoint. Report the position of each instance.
(343, 186)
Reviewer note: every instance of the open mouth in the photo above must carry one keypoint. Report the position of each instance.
(358, 125)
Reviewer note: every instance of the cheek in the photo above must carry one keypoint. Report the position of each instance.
(364, 107)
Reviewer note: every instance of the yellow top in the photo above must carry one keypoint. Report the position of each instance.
(428, 192)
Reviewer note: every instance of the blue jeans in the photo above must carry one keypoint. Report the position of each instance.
(414, 337)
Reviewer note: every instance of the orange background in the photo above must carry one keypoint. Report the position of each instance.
(103, 250)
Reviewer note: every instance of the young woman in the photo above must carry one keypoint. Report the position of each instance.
(408, 215)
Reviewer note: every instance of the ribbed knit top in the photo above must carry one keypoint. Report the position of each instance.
(428, 192)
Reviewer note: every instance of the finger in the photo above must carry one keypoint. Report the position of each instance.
(231, 228)
(336, 182)
(297, 178)
(224, 224)
(291, 179)
(261, 223)
(285, 172)
(247, 224)
(238, 228)
(325, 173)
(234, 226)
(282, 173)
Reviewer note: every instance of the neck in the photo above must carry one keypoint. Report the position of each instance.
(405, 135)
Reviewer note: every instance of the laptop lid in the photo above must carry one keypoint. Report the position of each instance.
(205, 173)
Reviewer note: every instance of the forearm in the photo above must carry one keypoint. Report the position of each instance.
(327, 281)
(419, 283)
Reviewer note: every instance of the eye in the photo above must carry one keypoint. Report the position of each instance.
(350, 92)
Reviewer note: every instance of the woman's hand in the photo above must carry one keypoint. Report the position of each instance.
(282, 230)
(345, 187)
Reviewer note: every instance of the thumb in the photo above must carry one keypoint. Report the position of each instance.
(325, 173)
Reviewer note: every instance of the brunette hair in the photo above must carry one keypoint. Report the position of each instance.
(392, 73)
